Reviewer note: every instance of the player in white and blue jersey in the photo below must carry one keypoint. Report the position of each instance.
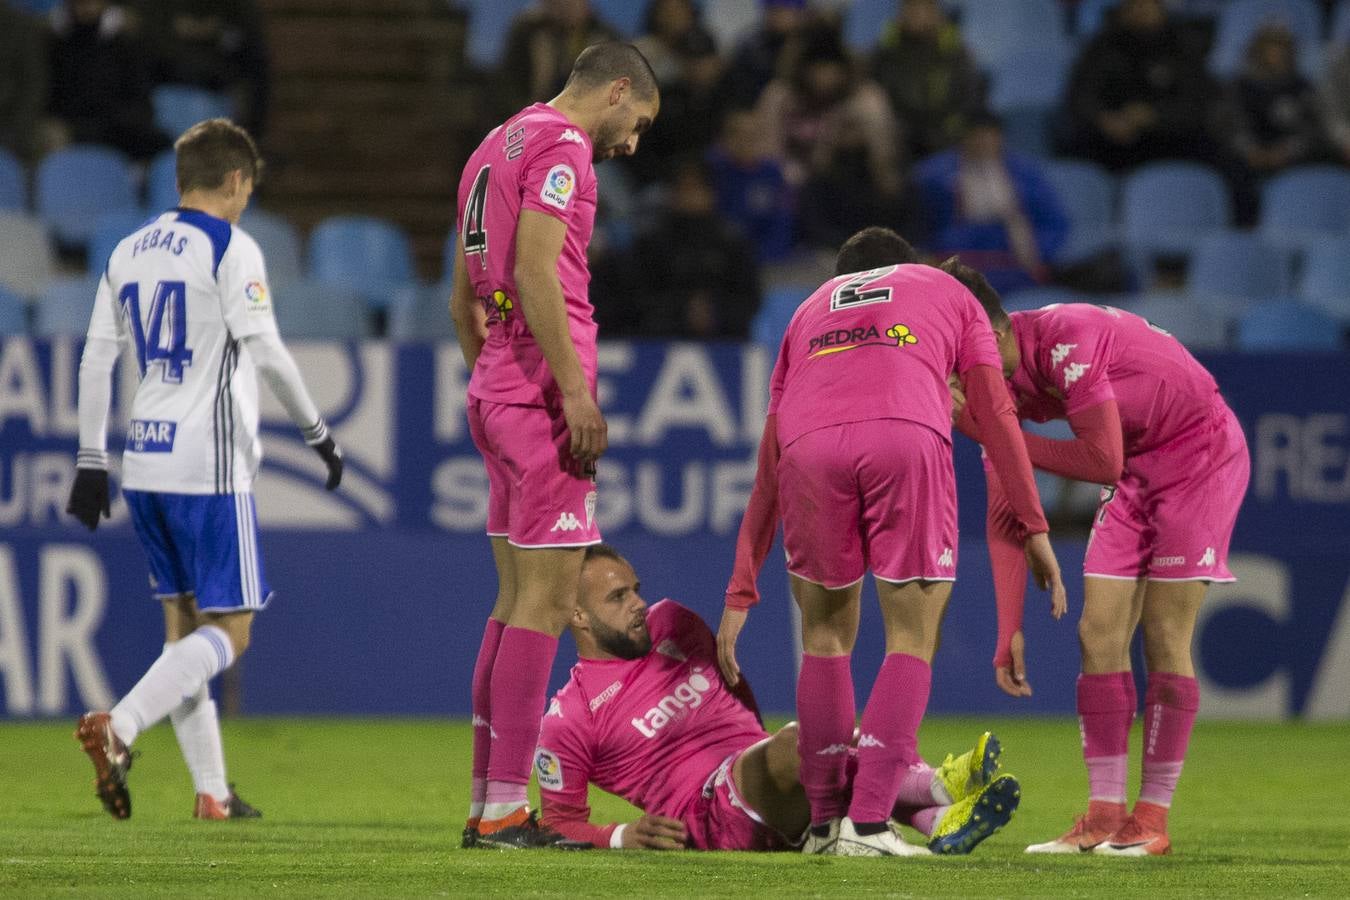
(187, 292)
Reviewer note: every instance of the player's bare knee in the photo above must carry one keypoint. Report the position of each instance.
(784, 759)
(1101, 643)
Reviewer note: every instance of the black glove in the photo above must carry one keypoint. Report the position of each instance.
(331, 454)
(89, 497)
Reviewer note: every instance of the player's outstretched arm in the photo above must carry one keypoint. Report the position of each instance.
(1097, 452)
(278, 369)
(1009, 564)
(466, 311)
(539, 243)
(752, 546)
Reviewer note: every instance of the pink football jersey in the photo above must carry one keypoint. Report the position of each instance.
(539, 161)
(1076, 355)
(651, 730)
(878, 345)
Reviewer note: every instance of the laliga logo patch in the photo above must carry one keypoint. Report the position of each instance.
(256, 294)
(558, 186)
(548, 770)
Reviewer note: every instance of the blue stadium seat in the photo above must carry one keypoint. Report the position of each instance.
(771, 322)
(13, 313)
(1288, 325)
(371, 255)
(864, 22)
(1304, 203)
(65, 307)
(1186, 318)
(108, 233)
(13, 182)
(1240, 20)
(1325, 279)
(626, 16)
(78, 184)
(729, 21)
(27, 258)
(280, 243)
(421, 313)
(316, 310)
(1031, 79)
(1041, 295)
(997, 29)
(36, 7)
(1234, 269)
(489, 23)
(1027, 131)
(1091, 17)
(1339, 33)
(1087, 192)
(1167, 207)
(179, 106)
(161, 183)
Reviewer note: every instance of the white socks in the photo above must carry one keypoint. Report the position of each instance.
(198, 731)
(180, 673)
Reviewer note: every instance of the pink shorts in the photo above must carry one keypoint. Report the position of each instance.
(1171, 517)
(720, 820)
(534, 499)
(876, 495)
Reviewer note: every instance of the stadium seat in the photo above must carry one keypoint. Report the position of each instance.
(27, 259)
(998, 29)
(1304, 203)
(65, 307)
(1027, 131)
(108, 233)
(280, 243)
(729, 21)
(1240, 20)
(315, 310)
(13, 314)
(1339, 32)
(1185, 318)
(1167, 207)
(776, 312)
(371, 255)
(1087, 192)
(179, 106)
(865, 21)
(1041, 295)
(78, 184)
(489, 23)
(1288, 325)
(161, 183)
(1232, 269)
(1325, 278)
(13, 182)
(36, 7)
(421, 313)
(625, 16)
(1091, 17)
(1031, 79)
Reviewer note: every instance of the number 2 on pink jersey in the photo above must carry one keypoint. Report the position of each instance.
(855, 291)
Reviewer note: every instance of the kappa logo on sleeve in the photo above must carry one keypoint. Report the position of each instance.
(259, 301)
(548, 770)
(558, 187)
(1074, 371)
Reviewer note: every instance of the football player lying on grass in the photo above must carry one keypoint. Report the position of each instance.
(647, 716)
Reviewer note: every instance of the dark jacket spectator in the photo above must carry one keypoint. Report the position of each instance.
(931, 80)
(1334, 93)
(100, 80)
(995, 208)
(218, 45)
(1139, 91)
(752, 192)
(542, 45)
(1273, 114)
(23, 82)
(697, 275)
(767, 53)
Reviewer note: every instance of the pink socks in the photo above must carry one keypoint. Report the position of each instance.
(888, 744)
(1106, 705)
(1170, 705)
(482, 712)
(825, 710)
(516, 696)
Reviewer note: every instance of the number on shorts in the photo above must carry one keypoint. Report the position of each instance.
(475, 234)
(855, 291)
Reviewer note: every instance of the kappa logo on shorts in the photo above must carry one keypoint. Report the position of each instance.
(549, 770)
(945, 560)
(567, 522)
(1208, 558)
(1167, 562)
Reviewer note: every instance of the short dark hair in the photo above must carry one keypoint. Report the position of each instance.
(605, 62)
(873, 248)
(210, 150)
(602, 551)
(978, 285)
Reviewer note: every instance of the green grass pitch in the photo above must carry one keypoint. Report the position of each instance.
(373, 808)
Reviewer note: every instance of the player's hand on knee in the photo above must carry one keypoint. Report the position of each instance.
(590, 433)
(1045, 569)
(733, 620)
(654, 833)
(89, 497)
(1012, 678)
(331, 454)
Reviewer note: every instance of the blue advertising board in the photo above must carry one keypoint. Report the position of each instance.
(382, 587)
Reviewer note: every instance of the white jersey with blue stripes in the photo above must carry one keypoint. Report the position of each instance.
(183, 290)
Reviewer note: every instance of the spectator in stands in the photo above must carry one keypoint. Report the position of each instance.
(752, 192)
(23, 83)
(766, 53)
(995, 208)
(1139, 91)
(218, 45)
(838, 141)
(684, 56)
(1335, 96)
(541, 46)
(100, 81)
(697, 274)
(1273, 117)
(931, 80)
